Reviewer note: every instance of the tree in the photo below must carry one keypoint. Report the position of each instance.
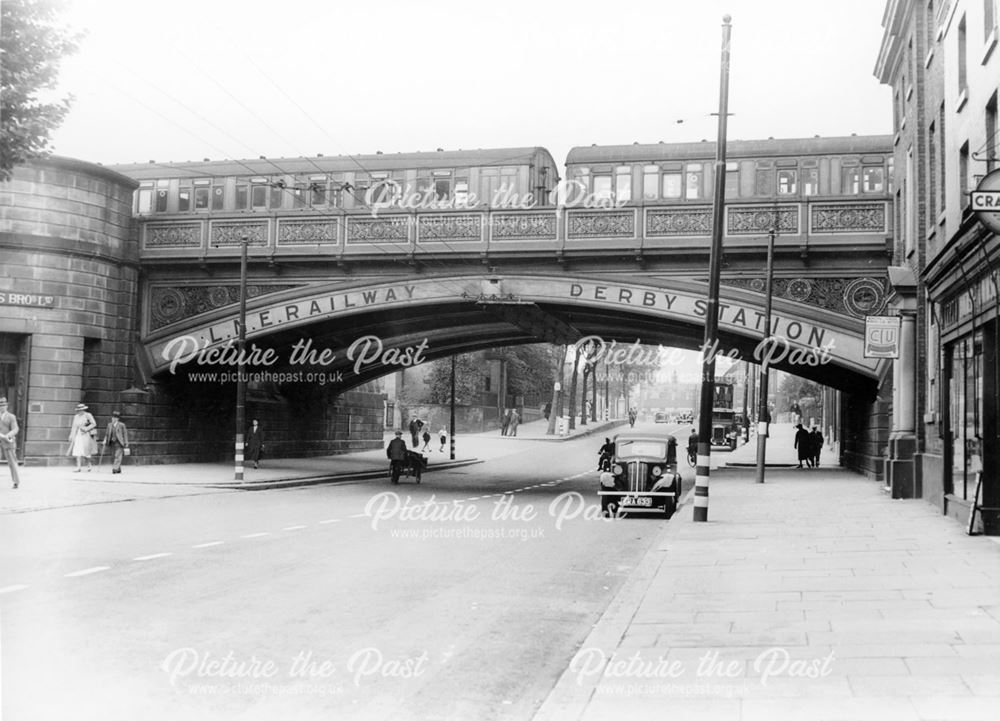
(470, 377)
(32, 46)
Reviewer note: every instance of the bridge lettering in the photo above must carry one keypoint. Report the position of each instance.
(264, 318)
(624, 296)
(740, 317)
(292, 312)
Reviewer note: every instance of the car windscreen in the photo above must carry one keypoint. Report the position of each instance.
(635, 448)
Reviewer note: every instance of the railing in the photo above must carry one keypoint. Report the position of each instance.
(343, 234)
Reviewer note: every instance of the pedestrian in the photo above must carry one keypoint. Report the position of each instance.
(82, 437)
(8, 432)
(515, 419)
(427, 440)
(548, 409)
(506, 423)
(443, 437)
(396, 453)
(803, 441)
(415, 425)
(254, 443)
(116, 440)
(817, 445)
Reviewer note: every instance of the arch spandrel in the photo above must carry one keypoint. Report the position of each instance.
(830, 338)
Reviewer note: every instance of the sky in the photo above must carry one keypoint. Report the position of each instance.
(194, 79)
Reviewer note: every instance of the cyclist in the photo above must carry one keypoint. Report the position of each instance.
(693, 447)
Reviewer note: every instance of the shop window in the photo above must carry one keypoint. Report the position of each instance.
(965, 413)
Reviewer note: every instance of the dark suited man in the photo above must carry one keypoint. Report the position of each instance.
(396, 452)
(8, 431)
(116, 441)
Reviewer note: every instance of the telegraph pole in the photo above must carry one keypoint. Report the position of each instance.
(712, 309)
(763, 414)
(241, 386)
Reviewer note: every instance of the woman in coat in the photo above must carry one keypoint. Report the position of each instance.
(82, 437)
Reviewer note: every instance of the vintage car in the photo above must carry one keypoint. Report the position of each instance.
(661, 418)
(643, 476)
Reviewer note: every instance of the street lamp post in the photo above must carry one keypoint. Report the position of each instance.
(452, 434)
(763, 417)
(706, 404)
(241, 386)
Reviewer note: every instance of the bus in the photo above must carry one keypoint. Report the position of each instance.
(725, 428)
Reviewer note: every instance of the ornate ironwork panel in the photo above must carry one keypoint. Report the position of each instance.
(678, 221)
(389, 229)
(173, 235)
(759, 220)
(307, 232)
(523, 226)
(856, 297)
(601, 224)
(450, 228)
(171, 304)
(231, 232)
(852, 218)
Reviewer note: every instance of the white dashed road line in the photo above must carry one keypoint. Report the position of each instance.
(87, 571)
(210, 543)
(293, 528)
(331, 520)
(257, 535)
(151, 556)
(11, 589)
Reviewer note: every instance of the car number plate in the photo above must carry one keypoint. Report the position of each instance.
(637, 501)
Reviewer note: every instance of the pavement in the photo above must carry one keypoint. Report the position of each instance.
(47, 487)
(811, 597)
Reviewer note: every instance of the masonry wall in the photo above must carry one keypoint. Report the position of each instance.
(65, 236)
(865, 429)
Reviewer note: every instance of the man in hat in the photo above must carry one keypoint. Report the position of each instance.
(8, 431)
(116, 440)
(396, 452)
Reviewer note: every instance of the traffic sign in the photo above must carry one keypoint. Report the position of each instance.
(986, 201)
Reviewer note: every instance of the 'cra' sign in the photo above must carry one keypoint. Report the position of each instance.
(986, 201)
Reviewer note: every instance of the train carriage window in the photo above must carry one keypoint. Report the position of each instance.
(764, 181)
(623, 184)
(732, 180)
(144, 197)
(650, 182)
(874, 179)
(810, 181)
(184, 198)
(202, 193)
(317, 190)
(242, 196)
(462, 199)
(787, 182)
(299, 194)
(258, 193)
(693, 181)
(218, 197)
(850, 180)
(671, 185)
(442, 185)
(601, 188)
(162, 193)
(277, 200)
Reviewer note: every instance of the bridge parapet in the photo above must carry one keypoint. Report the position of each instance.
(342, 235)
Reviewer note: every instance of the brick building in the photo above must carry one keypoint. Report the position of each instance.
(940, 58)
